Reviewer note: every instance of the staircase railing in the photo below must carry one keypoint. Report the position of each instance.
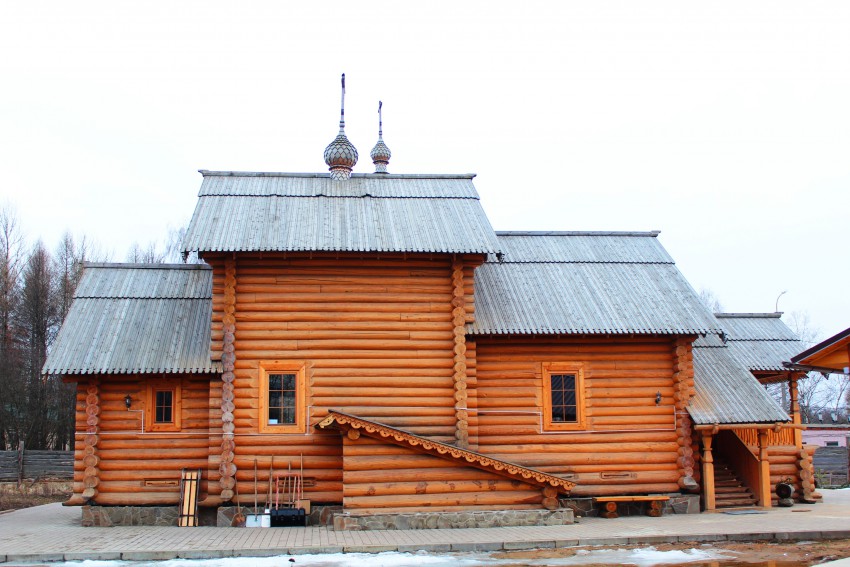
(750, 437)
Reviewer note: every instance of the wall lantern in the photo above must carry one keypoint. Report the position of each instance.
(657, 398)
(128, 400)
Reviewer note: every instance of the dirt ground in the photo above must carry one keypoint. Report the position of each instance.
(14, 497)
(758, 553)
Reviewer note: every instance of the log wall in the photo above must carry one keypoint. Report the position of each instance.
(630, 445)
(381, 477)
(378, 337)
(127, 466)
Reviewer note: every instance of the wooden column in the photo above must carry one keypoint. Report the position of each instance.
(764, 471)
(227, 467)
(683, 388)
(459, 323)
(91, 476)
(707, 472)
(796, 418)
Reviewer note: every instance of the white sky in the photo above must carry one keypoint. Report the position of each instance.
(724, 124)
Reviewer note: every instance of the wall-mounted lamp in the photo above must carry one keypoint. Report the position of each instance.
(128, 401)
(658, 397)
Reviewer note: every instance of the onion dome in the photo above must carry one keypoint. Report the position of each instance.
(380, 154)
(341, 155)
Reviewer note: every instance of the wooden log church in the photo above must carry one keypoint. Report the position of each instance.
(373, 331)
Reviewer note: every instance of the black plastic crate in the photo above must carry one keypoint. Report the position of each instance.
(288, 517)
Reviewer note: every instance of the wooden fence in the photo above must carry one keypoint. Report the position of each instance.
(831, 466)
(16, 466)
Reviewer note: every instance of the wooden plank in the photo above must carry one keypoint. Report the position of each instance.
(631, 498)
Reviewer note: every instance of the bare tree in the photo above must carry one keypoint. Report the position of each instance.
(39, 320)
(818, 392)
(68, 269)
(150, 254)
(710, 300)
(11, 255)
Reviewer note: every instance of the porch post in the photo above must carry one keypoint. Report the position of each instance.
(707, 471)
(796, 418)
(764, 471)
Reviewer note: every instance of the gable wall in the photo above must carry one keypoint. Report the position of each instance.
(629, 445)
(375, 334)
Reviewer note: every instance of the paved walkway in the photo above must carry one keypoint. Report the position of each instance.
(52, 533)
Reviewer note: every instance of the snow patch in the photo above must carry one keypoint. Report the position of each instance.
(639, 557)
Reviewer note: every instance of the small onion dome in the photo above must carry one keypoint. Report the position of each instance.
(341, 156)
(380, 154)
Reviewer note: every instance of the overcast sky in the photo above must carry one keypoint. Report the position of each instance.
(726, 125)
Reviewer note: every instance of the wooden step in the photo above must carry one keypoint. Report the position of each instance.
(729, 491)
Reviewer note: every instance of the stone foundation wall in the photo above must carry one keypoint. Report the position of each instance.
(108, 516)
(318, 516)
(448, 520)
(678, 504)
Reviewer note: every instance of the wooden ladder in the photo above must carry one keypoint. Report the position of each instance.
(190, 484)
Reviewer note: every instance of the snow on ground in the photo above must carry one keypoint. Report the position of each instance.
(640, 557)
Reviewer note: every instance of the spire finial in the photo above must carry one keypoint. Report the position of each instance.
(342, 107)
(380, 153)
(341, 155)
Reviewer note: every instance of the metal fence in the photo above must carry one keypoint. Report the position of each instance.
(831, 465)
(34, 465)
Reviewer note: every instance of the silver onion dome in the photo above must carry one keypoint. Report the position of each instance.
(341, 155)
(380, 154)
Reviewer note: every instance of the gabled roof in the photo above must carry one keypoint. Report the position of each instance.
(760, 341)
(585, 283)
(137, 318)
(726, 391)
(288, 212)
(833, 353)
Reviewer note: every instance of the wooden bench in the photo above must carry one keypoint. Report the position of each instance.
(610, 504)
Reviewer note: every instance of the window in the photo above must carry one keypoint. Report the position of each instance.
(282, 407)
(832, 443)
(563, 397)
(163, 406)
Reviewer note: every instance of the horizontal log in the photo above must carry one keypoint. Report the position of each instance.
(306, 316)
(343, 307)
(412, 357)
(528, 497)
(433, 487)
(389, 387)
(340, 295)
(151, 466)
(595, 441)
(377, 377)
(623, 489)
(330, 348)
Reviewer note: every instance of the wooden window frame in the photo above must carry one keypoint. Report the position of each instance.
(283, 367)
(164, 385)
(550, 368)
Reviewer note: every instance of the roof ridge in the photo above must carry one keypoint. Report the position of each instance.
(774, 315)
(146, 266)
(212, 173)
(651, 233)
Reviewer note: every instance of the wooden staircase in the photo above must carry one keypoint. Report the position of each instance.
(729, 491)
